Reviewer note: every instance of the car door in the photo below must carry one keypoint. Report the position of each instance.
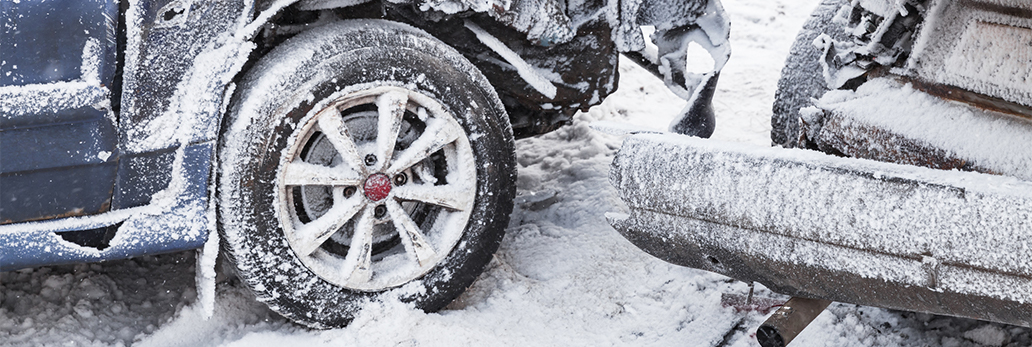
(58, 137)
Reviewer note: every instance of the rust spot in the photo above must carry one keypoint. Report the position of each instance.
(971, 98)
(76, 212)
(106, 206)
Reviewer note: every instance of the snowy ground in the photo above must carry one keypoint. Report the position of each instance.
(562, 276)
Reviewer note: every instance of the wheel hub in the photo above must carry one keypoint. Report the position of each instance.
(377, 187)
(366, 169)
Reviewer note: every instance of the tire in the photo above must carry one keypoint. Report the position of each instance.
(307, 171)
(802, 78)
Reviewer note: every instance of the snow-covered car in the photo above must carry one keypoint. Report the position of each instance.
(922, 197)
(343, 149)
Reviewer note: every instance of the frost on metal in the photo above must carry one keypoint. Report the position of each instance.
(887, 120)
(194, 90)
(17, 101)
(677, 24)
(992, 57)
(182, 228)
(172, 97)
(982, 47)
(809, 224)
(552, 22)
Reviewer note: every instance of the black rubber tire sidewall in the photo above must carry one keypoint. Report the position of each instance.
(392, 54)
(802, 78)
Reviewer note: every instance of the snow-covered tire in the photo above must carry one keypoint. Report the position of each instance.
(802, 78)
(304, 174)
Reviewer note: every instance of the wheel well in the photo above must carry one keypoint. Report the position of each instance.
(529, 112)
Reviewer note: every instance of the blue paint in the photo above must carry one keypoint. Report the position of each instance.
(73, 160)
(43, 41)
(181, 227)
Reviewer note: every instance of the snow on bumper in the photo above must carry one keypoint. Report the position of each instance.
(806, 224)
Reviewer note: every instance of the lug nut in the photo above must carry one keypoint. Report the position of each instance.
(349, 191)
(400, 179)
(380, 211)
(370, 160)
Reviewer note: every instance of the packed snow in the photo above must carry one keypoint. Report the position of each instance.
(562, 275)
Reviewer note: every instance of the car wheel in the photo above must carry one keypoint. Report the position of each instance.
(802, 78)
(360, 159)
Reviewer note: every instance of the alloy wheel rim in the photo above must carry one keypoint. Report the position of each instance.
(344, 181)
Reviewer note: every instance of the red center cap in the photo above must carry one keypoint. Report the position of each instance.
(377, 186)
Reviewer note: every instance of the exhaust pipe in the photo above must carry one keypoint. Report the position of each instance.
(788, 321)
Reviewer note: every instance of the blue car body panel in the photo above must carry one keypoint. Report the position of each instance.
(181, 224)
(58, 160)
(104, 154)
(43, 40)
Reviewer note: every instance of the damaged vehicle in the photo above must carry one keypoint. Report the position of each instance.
(901, 175)
(335, 150)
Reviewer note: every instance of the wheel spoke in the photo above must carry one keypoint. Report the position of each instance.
(411, 237)
(333, 127)
(391, 107)
(357, 267)
(445, 196)
(309, 237)
(437, 134)
(300, 173)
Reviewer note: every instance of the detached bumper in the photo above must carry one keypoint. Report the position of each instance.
(810, 225)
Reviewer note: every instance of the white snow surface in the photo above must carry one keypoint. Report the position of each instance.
(562, 276)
